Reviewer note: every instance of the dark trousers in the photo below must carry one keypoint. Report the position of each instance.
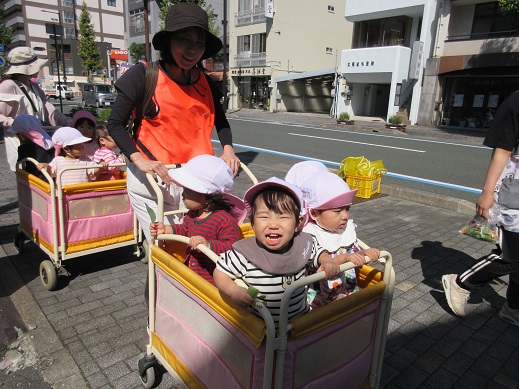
(499, 262)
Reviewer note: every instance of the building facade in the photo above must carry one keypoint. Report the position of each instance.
(30, 22)
(273, 42)
(381, 75)
(475, 65)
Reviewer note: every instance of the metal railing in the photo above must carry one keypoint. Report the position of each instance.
(250, 16)
(254, 59)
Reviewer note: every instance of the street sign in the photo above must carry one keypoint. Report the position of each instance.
(2, 62)
(52, 28)
(2, 48)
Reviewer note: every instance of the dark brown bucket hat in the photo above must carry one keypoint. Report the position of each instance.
(184, 15)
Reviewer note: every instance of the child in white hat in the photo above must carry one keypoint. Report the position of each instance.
(69, 151)
(328, 201)
(214, 214)
(277, 255)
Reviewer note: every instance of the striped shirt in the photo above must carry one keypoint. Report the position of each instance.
(107, 155)
(272, 286)
(71, 176)
(219, 229)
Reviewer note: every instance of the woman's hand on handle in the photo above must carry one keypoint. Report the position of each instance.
(230, 158)
(155, 168)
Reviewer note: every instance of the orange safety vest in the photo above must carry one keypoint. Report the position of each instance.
(182, 128)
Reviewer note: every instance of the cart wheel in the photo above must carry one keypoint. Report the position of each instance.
(148, 379)
(19, 241)
(48, 275)
(143, 251)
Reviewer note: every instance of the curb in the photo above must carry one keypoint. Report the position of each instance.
(439, 201)
(62, 372)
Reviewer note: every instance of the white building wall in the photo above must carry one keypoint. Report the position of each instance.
(426, 10)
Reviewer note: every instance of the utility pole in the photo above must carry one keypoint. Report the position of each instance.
(224, 76)
(147, 30)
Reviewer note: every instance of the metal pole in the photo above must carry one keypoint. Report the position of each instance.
(147, 30)
(57, 66)
(62, 51)
(224, 76)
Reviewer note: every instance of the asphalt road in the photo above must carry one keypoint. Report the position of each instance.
(448, 168)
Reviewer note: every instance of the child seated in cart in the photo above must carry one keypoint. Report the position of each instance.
(214, 214)
(86, 123)
(34, 142)
(69, 147)
(105, 153)
(278, 254)
(328, 201)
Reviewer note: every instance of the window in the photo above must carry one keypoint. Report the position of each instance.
(67, 3)
(68, 17)
(488, 20)
(70, 33)
(111, 3)
(243, 44)
(137, 21)
(329, 50)
(331, 8)
(382, 32)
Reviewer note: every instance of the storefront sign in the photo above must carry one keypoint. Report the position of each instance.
(119, 54)
(360, 64)
(269, 9)
(249, 72)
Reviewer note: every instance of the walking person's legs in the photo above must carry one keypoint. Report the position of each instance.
(496, 264)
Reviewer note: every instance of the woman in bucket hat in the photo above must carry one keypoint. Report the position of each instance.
(18, 95)
(178, 122)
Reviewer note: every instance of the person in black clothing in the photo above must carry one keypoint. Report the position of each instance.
(178, 122)
(503, 137)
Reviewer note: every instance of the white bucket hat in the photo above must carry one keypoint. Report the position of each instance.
(300, 172)
(327, 191)
(23, 60)
(67, 136)
(208, 174)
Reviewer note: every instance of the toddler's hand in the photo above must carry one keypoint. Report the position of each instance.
(157, 228)
(330, 268)
(240, 296)
(42, 166)
(104, 165)
(372, 253)
(356, 258)
(194, 241)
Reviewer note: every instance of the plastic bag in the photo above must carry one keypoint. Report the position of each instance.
(360, 166)
(481, 229)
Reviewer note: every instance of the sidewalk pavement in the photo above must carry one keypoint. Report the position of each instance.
(89, 332)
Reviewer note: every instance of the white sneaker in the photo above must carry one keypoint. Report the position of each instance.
(509, 315)
(457, 297)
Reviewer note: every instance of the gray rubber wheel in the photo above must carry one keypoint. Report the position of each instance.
(148, 380)
(48, 275)
(19, 242)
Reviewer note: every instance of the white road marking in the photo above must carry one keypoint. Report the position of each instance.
(357, 143)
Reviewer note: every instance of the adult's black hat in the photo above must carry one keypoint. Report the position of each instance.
(184, 15)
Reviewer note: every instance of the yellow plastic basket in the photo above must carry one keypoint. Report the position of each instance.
(367, 186)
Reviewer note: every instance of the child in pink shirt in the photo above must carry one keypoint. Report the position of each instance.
(69, 152)
(105, 153)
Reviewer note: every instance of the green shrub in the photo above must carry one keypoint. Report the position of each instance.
(396, 119)
(104, 115)
(344, 116)
(92, 110)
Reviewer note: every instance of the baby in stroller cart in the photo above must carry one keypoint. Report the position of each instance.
(214, 214)
(34, 141)
(279, 254)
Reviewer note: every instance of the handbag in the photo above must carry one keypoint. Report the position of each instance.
(509, 192)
